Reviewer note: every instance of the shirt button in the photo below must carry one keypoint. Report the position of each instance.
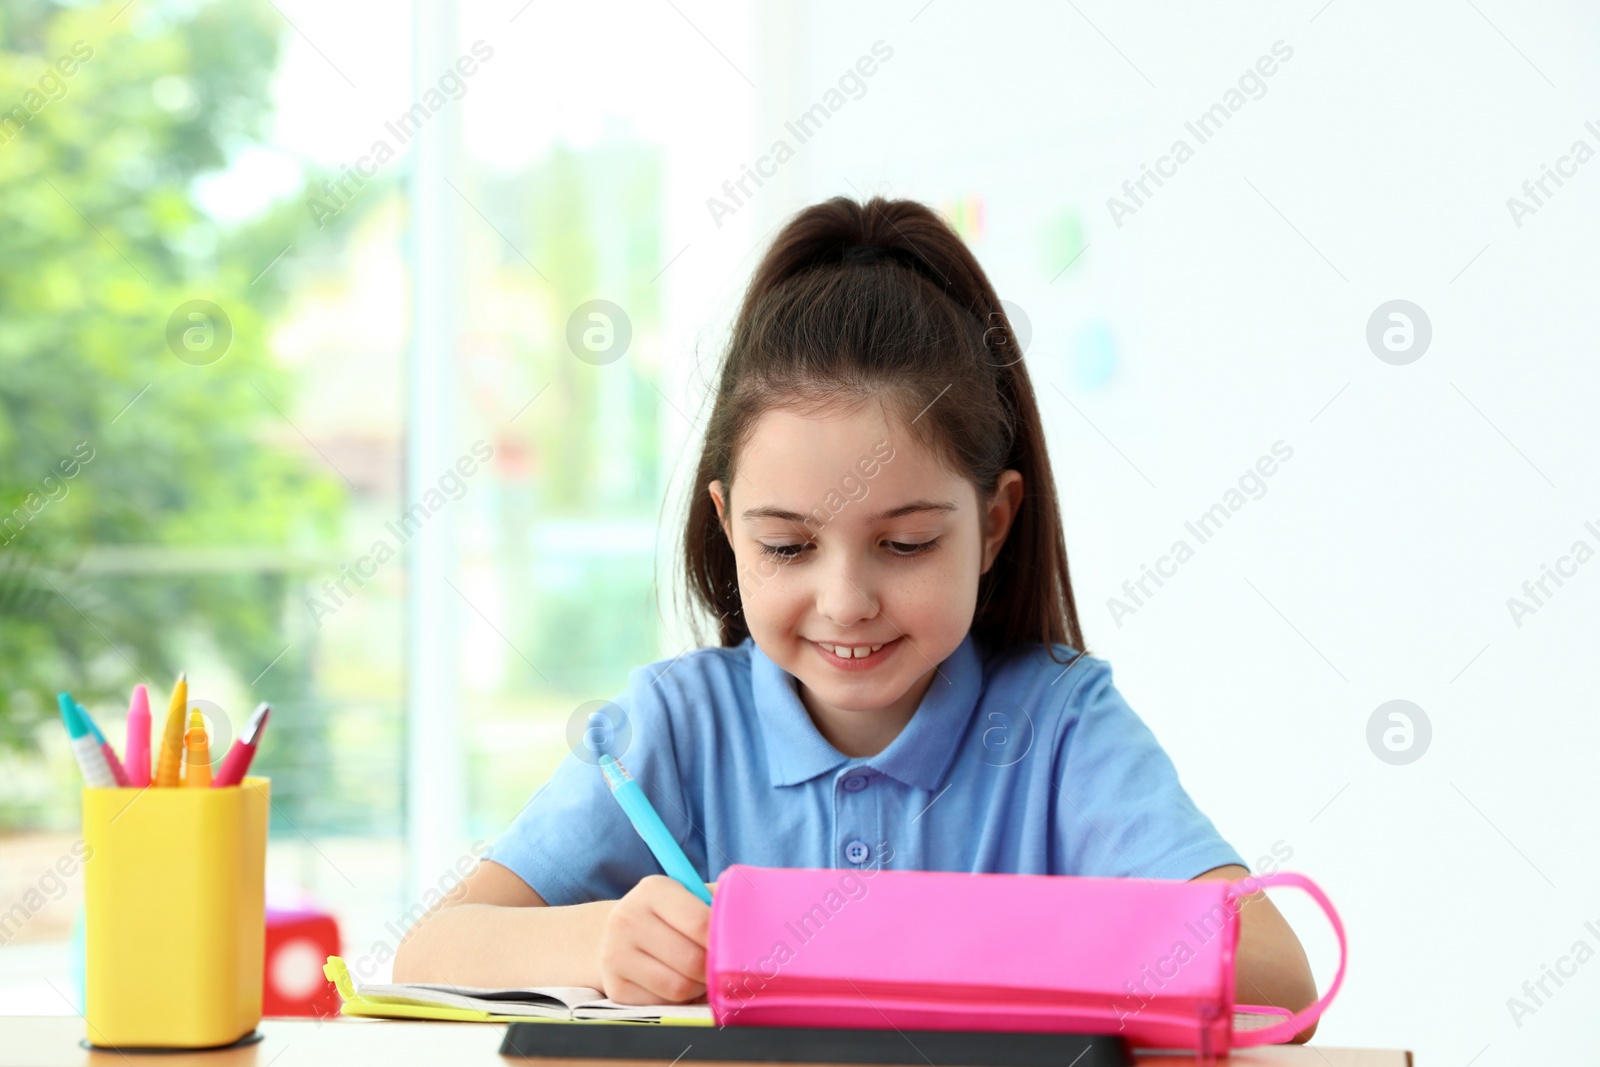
(857, 851)
(856, 783)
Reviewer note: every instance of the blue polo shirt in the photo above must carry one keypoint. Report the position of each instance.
(1013, 763)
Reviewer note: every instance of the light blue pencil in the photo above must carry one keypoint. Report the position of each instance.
(645, 820)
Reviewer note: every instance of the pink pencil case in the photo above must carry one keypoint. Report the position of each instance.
(874, 949)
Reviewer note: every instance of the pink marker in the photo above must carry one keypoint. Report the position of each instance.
(243, 750)
(138, 746)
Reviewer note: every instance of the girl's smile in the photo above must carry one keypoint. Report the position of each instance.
(847, 657)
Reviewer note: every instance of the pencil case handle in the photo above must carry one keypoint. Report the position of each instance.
(1283, 1031)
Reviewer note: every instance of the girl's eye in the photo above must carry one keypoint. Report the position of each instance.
(789, 552)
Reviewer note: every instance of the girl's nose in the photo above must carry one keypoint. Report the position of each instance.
(845, 596)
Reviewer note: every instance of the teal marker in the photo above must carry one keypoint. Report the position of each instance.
(85, 749)
(87, 720)
(645, 820)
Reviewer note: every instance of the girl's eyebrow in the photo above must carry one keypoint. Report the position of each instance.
(893, 513)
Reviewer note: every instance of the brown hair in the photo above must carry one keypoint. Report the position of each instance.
(884, 300)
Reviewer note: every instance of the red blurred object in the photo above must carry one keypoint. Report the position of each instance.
(301, 935)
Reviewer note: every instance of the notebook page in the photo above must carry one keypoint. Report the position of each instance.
(1249, 1020)
(610, 1009)
(554, 1002)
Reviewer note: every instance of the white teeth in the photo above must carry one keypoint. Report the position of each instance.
(858, 652)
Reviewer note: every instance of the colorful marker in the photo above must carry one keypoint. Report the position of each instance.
(197, 753)
(119, 775)
(137, 749)
(171, 758)
(645, 820)
(91, 760)
(243, 750)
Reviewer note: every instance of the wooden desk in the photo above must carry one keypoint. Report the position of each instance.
(53, 1042)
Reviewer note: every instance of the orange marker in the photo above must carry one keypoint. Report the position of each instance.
(171, 759)
(197, 753)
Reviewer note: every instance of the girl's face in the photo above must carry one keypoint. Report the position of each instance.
(858, 555)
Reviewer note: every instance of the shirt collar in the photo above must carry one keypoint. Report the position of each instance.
(920, 756)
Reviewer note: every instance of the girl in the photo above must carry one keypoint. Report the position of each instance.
(901, 678)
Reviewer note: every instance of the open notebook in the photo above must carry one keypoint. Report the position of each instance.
(567, 1004)
(464, 1003)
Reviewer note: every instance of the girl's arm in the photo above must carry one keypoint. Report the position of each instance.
(647, 948)
(498, 933)
(1270, 967)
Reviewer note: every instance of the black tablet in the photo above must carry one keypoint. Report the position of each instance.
(775, 1044)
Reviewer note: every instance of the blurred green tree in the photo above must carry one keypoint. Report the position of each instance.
(107, 115)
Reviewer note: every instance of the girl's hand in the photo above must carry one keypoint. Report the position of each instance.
(653, 945)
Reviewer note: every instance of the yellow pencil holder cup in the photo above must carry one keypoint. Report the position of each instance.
(175, 919)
